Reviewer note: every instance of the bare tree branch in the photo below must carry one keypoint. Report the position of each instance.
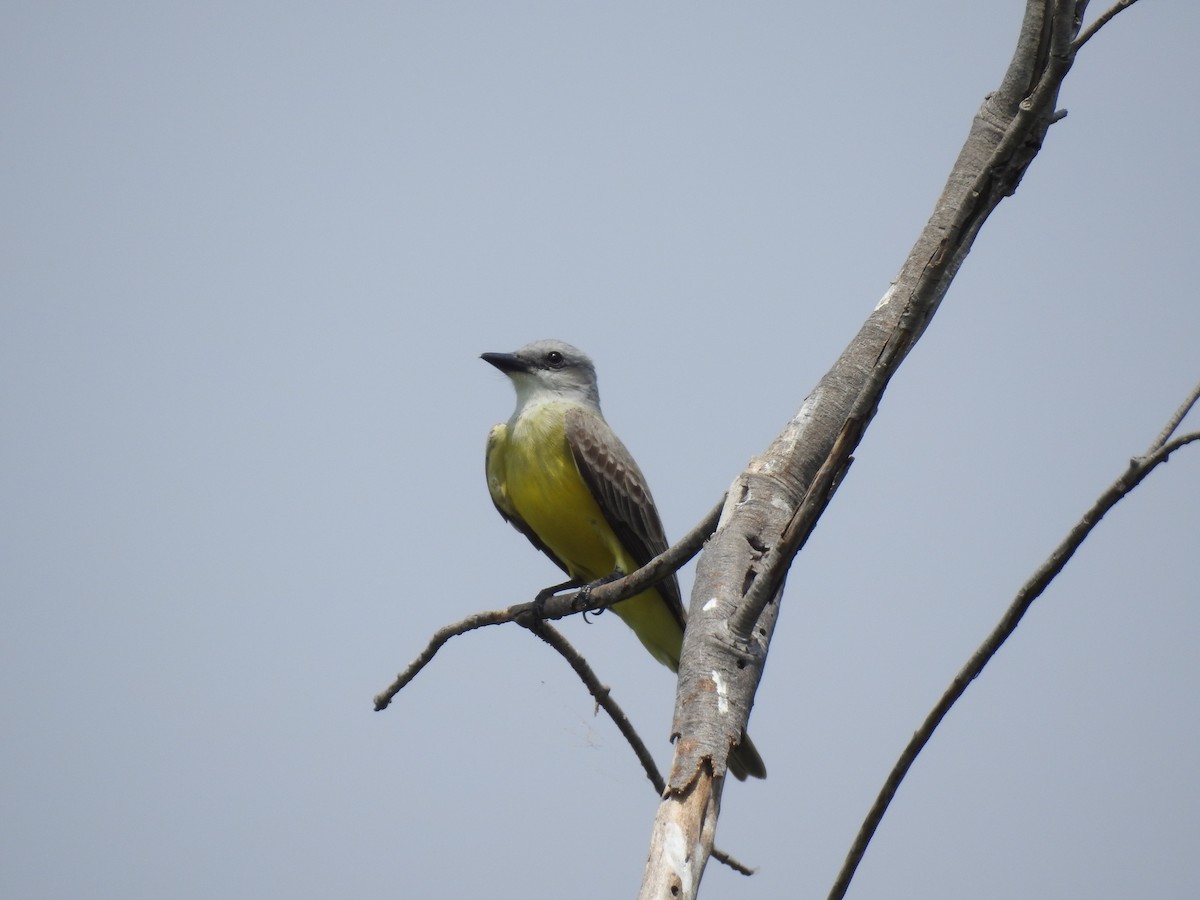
(774, 504)
(1138, 469)
(604, 699)
(1169, 429)
(558, 607)
(767, 501)
(440, 637)
(602, 596)
(602, 694)
(1101, 21)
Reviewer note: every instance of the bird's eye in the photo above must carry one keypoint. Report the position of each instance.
(555, 359)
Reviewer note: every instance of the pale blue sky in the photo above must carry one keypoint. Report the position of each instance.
(250, 255)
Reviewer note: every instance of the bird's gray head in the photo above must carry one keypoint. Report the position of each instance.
(549, 370)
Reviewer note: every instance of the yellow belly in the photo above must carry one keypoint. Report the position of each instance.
(551, 497)
(546, 491)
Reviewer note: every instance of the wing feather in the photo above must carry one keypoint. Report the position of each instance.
(621, 492)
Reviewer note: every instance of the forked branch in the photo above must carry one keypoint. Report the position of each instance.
(772, 506)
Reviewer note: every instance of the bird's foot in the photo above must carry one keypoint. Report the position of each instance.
(585, 594)
(539, 602)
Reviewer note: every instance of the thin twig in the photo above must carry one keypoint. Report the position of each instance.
(1169, 429)
(1101, 21)
(604, 699)
(558, 607)
(1029, 592)
(603, 595)
(722, 857)
(602, 694)
(440, 637)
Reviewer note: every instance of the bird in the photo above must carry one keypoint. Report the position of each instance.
(559, 474)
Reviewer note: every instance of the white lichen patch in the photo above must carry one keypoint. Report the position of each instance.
(675, 849)
(722, 692)
(886, 298)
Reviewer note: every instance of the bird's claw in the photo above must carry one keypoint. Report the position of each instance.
(539, 602)
(584, 597)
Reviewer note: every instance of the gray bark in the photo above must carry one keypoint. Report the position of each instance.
(774, 504)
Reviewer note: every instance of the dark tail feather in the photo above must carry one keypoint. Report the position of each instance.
(744, 761)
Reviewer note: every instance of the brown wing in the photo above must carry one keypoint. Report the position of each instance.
(620, 490)
(493, 461)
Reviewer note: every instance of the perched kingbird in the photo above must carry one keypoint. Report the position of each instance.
(557, 472)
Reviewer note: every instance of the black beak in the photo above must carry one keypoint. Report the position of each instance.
(505, 362)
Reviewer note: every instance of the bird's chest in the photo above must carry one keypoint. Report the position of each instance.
(549, 494)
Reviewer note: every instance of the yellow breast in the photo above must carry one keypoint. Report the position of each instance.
(547, 492)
